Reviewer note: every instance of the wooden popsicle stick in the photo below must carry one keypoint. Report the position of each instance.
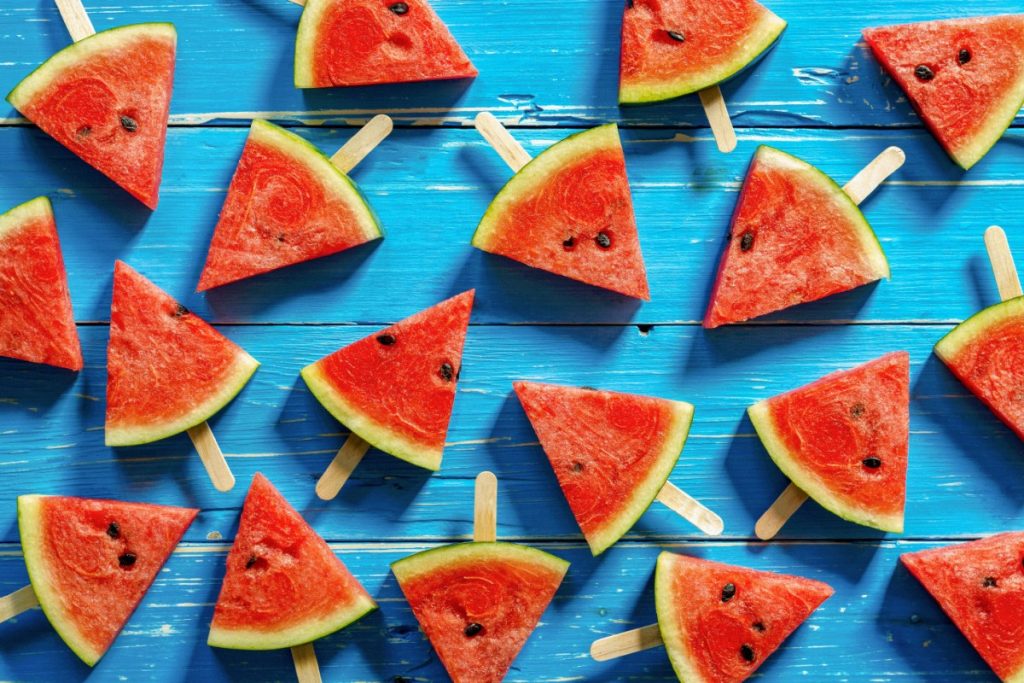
(776, 516)
(341, 468)
(687, 507)
(75, 18)
(307, 669)
(212, 457)
(485, 508)
(363, 142)
(626, 643)
(17, 602)
(507, 147)
(718, 117)
(1003, 266)
(872, 175)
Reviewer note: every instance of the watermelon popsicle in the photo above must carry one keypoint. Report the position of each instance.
(718, 622)
(289, 203)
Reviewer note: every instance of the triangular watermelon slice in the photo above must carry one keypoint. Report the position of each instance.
(38, 324)
(980, 586)
(965, 77)
(107, 98)
(479, 602)
(396, 388)
(284, 586)
(677, 47)
(795, 237)
(720, 622)
(287, 203)
(92, 561)
(984, 353)
(368, 42)
(570, 212)
(844, 439)
(612, 452)
(167, 369)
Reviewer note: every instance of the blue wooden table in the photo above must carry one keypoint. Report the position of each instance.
(547, 68)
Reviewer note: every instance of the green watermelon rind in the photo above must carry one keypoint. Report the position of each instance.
(666, 608)
(976, 326)
(21, 214)
(426, 561)
(373, 432)
(120, 435)
(73, 55)
(305, 43)
(761, 417)
(647, 490)
(766, 34)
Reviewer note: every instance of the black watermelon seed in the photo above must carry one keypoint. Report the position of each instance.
(84, 131)
(676, 36)
(129, 124)
(250, 562)
(923, 73)
(447, 372)
(472, 629)
(126, 560)
(872, 462)
(728, 592)
(747, 241)
(964, 56)
(569, 242)
(758, 626)
(113, 530)
(603, 240)
(577, 466)
(280, 237)
(180, 311)
(857, 410)
(386, 339)
(990, 582)
(399, 8)
(747, 652)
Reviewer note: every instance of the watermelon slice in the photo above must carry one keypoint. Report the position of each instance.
(611, 452)
(479, 602)
(677, 47)
(284, 586)
(570, 212)
(287, 203)
(720, 622)
(986, 352)
(844, 439)
(168, 370)
(38, 324)
(979, 585)
(367, 42)
(795, 237)
(965, 77)
(396, 388)
(106, 98)
(92, 561)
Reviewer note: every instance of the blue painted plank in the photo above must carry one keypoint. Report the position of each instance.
(562, 70)
(53, 441)
(430, 188)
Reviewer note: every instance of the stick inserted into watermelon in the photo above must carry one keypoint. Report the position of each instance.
(718, 622)
(394, 389)
(90, 563)
(289, 203)
(569, 211)
(93, 98)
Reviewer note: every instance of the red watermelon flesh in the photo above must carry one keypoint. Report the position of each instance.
(478, 603)
(570, 212)
(396, 388)
(980, 586)
(167, 369)
(107, 98)
(612, 452)
(676, 47)
(795, 237)
(284, 586)
(965, 77)
(92, 561)
(38, 324)
(844, 439)
(986, 352)
(287, 203)
(720, 622)
(367, 42)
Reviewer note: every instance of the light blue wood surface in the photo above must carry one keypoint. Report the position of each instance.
(549, 68)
